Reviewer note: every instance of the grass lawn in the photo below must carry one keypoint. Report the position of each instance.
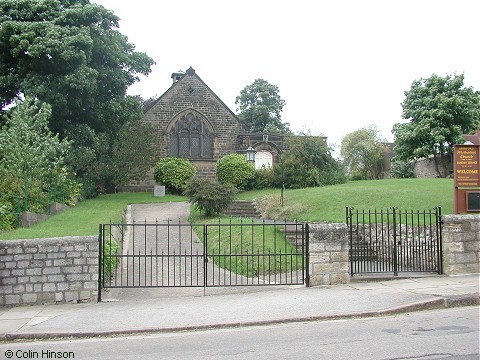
(314, 204)
(328, 203)
(230, 238)
(84, 218)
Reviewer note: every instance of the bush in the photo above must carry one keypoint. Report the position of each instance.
(174, 173)
(333, 176)
(89, 188)
(402, 169)
(263, 179)
(8, 219)
(357, 176)
(271, 207)
(110, 260)
(209, 196)
(234, 169)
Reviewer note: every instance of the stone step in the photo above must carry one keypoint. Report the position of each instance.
(243, 208)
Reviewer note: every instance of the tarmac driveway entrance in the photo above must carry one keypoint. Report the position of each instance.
(160, 252)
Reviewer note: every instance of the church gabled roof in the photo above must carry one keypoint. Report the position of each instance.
(179, 76)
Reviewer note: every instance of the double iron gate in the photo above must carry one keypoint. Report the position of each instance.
(172, 254)
(393, 241)
(167, 254)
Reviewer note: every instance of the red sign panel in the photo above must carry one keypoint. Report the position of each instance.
(467, 166)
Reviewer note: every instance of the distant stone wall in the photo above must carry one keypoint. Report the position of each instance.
(43, 271)
(28, 219)
(461, 244)
(329, 246)
(426, 168)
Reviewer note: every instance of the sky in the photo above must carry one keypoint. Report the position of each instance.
(340, 65)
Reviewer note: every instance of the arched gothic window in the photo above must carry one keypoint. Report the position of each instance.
(190, 138)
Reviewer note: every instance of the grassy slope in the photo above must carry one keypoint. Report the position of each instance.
(317, 204)
(84, 218)
(328, 203)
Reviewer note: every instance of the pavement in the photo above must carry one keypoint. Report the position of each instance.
(153, 310)
(174, 310)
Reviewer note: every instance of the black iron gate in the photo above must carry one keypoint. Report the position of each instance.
(393, 241)
(191, 255)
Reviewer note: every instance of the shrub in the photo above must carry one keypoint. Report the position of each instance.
(402, 169)
(174, 173)
(36, 156)
(263, 179)
(358, 175)
(333, 176)
(89, 188)
(7, 217)
(234, 169)
(270, 207)
(209, 196)
(110, 260)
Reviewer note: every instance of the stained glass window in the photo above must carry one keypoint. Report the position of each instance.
(190, 138)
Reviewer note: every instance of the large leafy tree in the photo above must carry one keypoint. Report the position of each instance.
(365, 153)
(439, 110)
(70, 54)
(307, 163)
(260, 107)
(131, 158)
(32, 158)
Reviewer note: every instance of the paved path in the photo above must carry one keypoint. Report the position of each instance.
(271, 305)
(168, 254)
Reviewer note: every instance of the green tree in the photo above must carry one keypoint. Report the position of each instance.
(439, 111)
(32, 157)
(131, 158)
(147, 103)
(260, 107)
(365, 154)
(308, 163)
(27, 146)
(70, 54)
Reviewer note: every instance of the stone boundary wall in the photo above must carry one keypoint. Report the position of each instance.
(426, 168)
(329, 246)
(46, 271)
(461, 244)
(28, 218)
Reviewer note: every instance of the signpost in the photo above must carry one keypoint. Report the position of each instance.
(467, 175)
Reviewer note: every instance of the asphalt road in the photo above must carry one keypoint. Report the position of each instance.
(437, 334)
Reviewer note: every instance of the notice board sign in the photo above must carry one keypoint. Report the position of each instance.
(466, 166)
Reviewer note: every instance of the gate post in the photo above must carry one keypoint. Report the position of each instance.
(328, 254)
(100, 262)
(306, 266)
(438, 225)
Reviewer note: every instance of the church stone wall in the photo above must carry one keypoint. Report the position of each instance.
(191, 93)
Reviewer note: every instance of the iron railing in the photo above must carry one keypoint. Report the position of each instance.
(14, 205)
(393, 240)
(169, 254)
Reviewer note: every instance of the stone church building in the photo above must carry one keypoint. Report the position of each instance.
(192, 122)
